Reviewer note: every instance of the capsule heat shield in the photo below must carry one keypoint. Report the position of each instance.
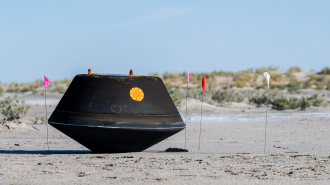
(98, 112)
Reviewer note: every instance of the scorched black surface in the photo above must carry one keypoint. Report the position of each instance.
(98, 112)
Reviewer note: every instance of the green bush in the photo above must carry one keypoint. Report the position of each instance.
(325, 71)
(241, 79)
(168, 86)
(320, 81)
(304, 103)
(294, 69)
(293, 86)
(264, 69)
(281, 104)
(170, 76)
(276, 77)
(280, 87)
(328, 86)
(226, 96)
(176, 96)
(13, 90)
(239, 98)
(258, 99)
(12, 109)
(42, 119)
(59, 89)
(316, 100)
(1, 91)
(293, 103)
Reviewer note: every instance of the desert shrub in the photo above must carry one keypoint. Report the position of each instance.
(280, 87)
(238, 98)
(223, 73)
(258, 99)
(265, 87)
(66, 81)
(168, 86)
(294, 69)
(293, 86)
(1, 91)
(319, 86)
(176, 96)
(13, 90)
(221, 96)
(169, 75)
(293, 102)
(227, 96)
(320, 81)
(242, 79)
(193, 92)
(328, 86)
(293, 90)
(281, 104)
(276, 77)
(12, 109)
(304, 103)
(325, 71)
(184, 74)
(316, 100)
(264, 69)
(59, 89)
(42, 119)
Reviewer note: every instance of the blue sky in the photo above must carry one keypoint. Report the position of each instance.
(60, 39)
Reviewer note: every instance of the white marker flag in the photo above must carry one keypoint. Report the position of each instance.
(267, 76)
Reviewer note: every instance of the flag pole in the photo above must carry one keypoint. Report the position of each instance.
(185, 130)
(46, 120)
(266, 122)
(46, 83)
(200, 124)
(267, 76)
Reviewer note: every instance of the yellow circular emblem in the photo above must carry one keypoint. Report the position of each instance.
(136, 94)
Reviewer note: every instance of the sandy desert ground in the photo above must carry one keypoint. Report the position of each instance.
(231, 151)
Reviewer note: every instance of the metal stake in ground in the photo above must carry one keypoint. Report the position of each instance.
(200, 124)
(46, 83)
(267, 76)
(185, 133)
(185, 130)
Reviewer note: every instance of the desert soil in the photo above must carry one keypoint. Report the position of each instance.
(231, 151)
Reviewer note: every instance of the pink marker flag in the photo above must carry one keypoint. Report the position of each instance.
(46, 82)
(188, 76)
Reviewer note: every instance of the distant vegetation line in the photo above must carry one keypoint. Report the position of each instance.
(223, 87)
(281, 79)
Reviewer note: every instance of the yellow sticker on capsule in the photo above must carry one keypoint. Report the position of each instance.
(136, 94)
